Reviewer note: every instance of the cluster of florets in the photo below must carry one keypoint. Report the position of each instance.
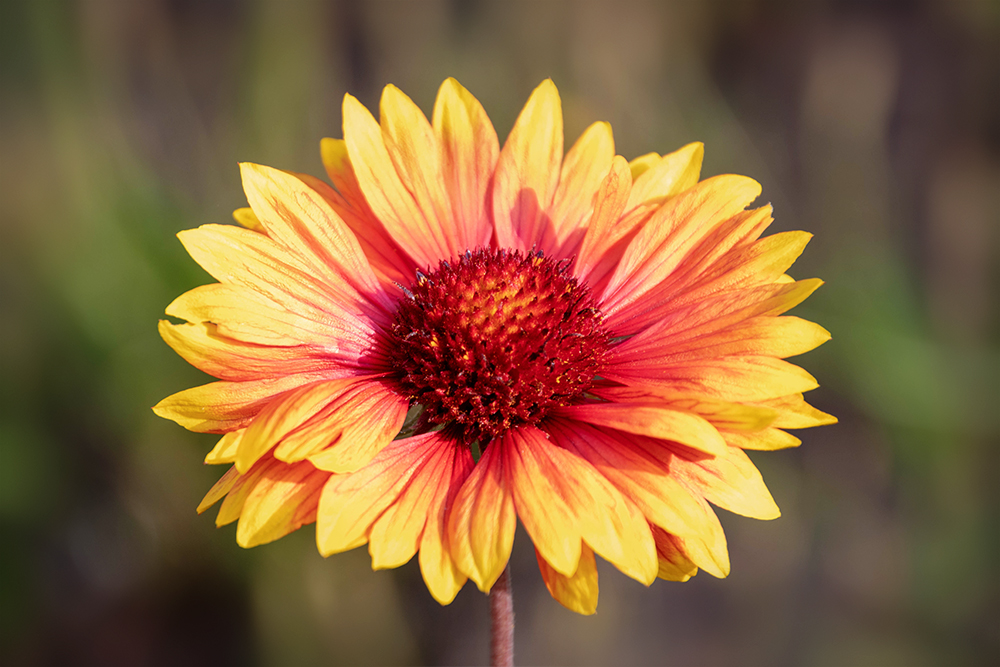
(495, 340)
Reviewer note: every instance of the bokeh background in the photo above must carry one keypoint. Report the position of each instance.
(875, 125)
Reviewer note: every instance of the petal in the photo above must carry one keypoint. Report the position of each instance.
(746, 378)
(656, 180)
(237, 256)
(241, 313)
(424, 239)
(769, 439)
(296, 216)
(652, 420)
(396, 535)
(203, 347)
(603, 232)
(562, 499)
(584, 169)
(413, 147)
(679, 225)
(220, 489)
(640, 468)
(674, 565)
(794, 412)
(469, 155)
(721, 414)
(443, 577)
(283, 416)
(730, 481)
(283, 499)
(527, 171)
(482, 521)
(225, 450)
(221, 407)
(390, 264)
(246, 217)
(577, 592)
(398, 503)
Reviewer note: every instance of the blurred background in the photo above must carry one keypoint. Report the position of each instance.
(875, 125)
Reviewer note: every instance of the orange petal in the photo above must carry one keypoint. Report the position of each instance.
(527, 171)
(283, 499)
(656, 421)
(469, 155)
(296, 216)
(578, 592)
(422, 237)
(443, 577)
(584, 169)
(562, 499)
(679, 225)
(418, 157)
(221, 407)
(482, 521)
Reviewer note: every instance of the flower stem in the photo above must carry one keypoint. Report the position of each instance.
(502, 622)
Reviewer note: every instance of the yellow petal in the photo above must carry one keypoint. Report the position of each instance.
(203, 347)
(527, 170)
(678, 226)
(603, 231)
(285, 415)
(241, 313)
(219, 489)
(769, 439)
(721, 414)
(221, 407)
(299, 218)
(656, 180)
(560, 498)
(794, 412)
(584, 168)
(651, 420)
(730, 481)
(674, 564)
(577, 592)
(246, 217)
(283, 500)
(225, 450)
(422, 238)
(482, 521)
(469, 155)
(638, 166)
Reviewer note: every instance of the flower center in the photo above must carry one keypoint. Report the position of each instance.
(495, 341)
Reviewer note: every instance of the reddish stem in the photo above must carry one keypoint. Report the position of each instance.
(502, 622)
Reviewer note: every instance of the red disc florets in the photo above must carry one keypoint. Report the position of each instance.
(496, 340)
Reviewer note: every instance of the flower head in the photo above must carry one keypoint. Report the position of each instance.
(456, 336)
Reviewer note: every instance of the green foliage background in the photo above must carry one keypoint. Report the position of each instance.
(874, 125)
